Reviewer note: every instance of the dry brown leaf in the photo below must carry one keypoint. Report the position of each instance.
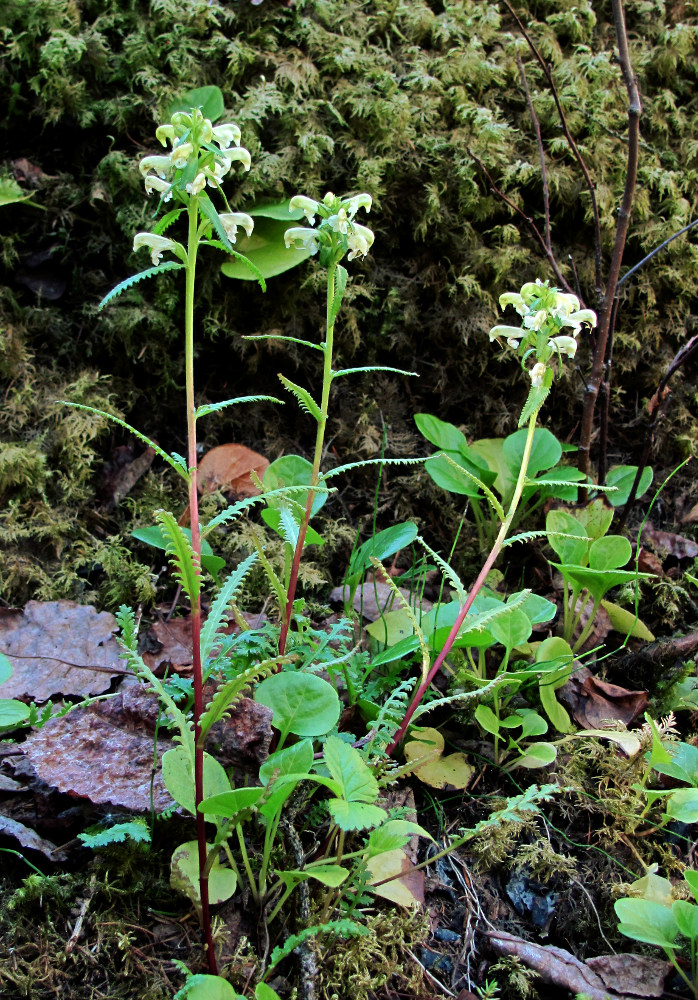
(647, 562)
(672, 544)
(640, 975)
(692, 516)
(593, 701)
(553, 965)
(228, 468)
(121, 473)
(406, 890)
(85, 755)
(29, 839)
(59, 647)
(170, 645)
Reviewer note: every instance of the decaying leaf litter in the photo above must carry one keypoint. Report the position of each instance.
(508, 881)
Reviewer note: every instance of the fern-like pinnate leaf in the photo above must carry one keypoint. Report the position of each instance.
(340, 286)
(202, 411)
(230, 693)
(399, 597)
(469, 698)
(370, 461)
(166, 221)
(447, 570)
(169, 265)
(537, 395)
(304, 398)
(238, 508)
(491, 498)
(279, 336)
(180, 469)
(181, 555)
(345, 928)
(216, 616)
(371, 368)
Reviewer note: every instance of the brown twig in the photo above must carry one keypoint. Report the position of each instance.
(606, 311)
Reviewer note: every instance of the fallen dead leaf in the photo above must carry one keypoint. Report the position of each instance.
(122, 472)
(601, 627)
(29, 839)
(554, 965)
(169, 646)
(59, 647)
(593, 701)
(669, 543)
(640, 975)
(373, 598)
(647, 562)
(228, 468)
(405, 890)
(692, 516)
(85, 755)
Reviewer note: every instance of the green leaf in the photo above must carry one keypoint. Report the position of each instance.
(264, 992)
(371, 368)
(622, 477)
(595, 517)
(166, 221)
(381, 546)
(491, 450)
(681, 763)
(207, 408)
(292, 470)
(393, 835)
(5, 669)
(610, 552)
(122, 423)
(355, 815)
(683, 805)
(329, 875)
(168, 265)
(626, 622)
(537, 755)
(11, 192)
(178, 775)
(345, 928)
(350, 771)
(209, 99)
(554, 483)
(537, 395)
(184, 875)
(567, 537)
(486, 718)
(450, 471)
(136, 830)
(181, 554)
(276, 210)
(599, 581)
(691, 878)
(296, 759)
(219, 608)
(393, 627)
(303, 704)
(207, 211)
(686, 917)
(153, 535)
(532, 723)
(546, 450)
(511, 629)
(205, 987)
(304, 398)
(445, 436)
(646, 921)
(340, 285)
(12, 713)
(266, 250)
(230, 804)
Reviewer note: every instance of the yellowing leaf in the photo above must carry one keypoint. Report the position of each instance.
(435, 769)
(405, 890)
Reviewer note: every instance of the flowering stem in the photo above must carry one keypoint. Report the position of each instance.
(192, 246)
(327, 350)
(477, 586)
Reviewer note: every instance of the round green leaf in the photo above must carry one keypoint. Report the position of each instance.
(647, 921)
(623, 477)
(209, 99)
(205, 987)
(686, 917)
(5, 668)
(537, 755)
(303, 704)
(229, 803)
(12, 713)
(570, 550)
(178, 775)
(683, 805)
(610, 552)
(443, 435)
(545, 452)
(511, 628)
(449, 477)
(291, 470)
(184, 875)
(692, 879)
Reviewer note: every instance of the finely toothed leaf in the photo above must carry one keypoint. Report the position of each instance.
(348, 768)
(169, 265)
(536, 397)
(278, 336)
(181, 555)
(202, 411)
(340, 285)
(306, 401)
(172, 460)
(230, 693)
(221, 605)
(371, 461)
(345, 928)
(230, 513)
(288, 526)
(136, 830)
(207, 210)
(372, 368)
(355, 815)
(166, 221)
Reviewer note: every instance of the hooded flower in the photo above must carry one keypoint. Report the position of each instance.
(224, 135)
(156, 244)
(162, 165)
(337, 233)
(537, 374)
(232, 220)
(155, 183)
(309, 207)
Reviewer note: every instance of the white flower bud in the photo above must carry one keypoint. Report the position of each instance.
(165, 132)
(156, 244)
(359, 241)
(239, 154)
(537, 373)
(231, 221)
(197, 185)
(352, 205)
(153, 183)
(181, 155)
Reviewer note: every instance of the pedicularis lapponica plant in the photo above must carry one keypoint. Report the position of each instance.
(282, 667)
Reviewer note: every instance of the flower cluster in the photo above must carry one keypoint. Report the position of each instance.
(201, 155)
(337, 232)
(551, 323)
